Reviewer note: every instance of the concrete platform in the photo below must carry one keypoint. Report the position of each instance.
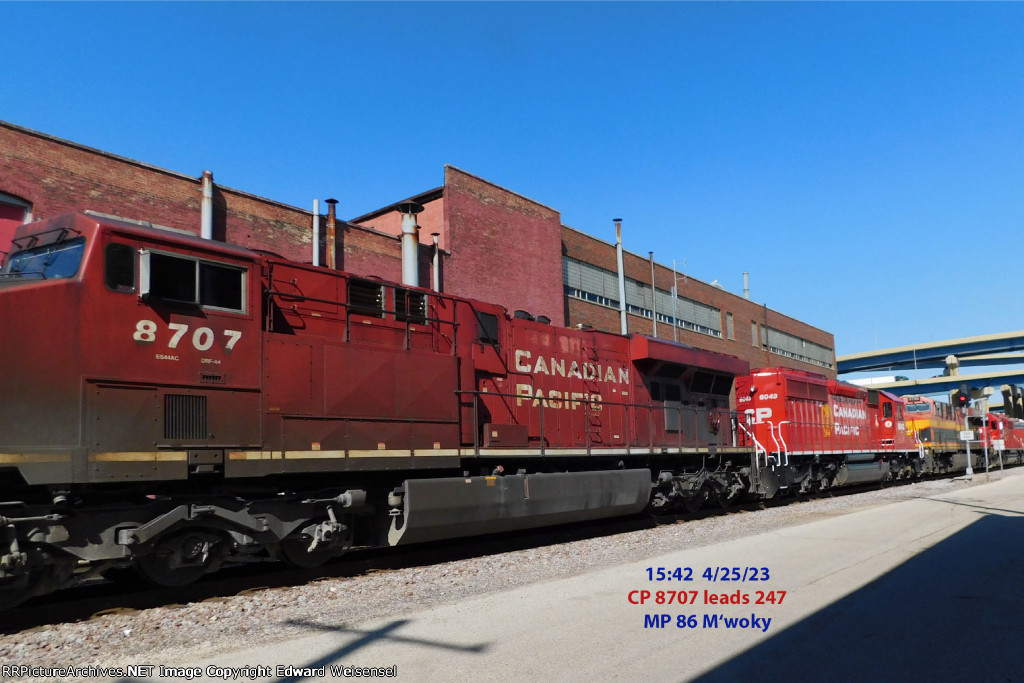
(930, 589)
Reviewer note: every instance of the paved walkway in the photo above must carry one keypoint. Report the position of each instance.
(929, 589)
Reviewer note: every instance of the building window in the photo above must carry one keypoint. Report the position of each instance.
(588, 282)
(754, 341)
(790, 346)
(14, 211)
(728, 326)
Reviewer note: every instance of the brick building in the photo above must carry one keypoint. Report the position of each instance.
(501, 247)
(704, 316)
(495, 246)
(42, 176)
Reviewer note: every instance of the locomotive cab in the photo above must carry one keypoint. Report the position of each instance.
(117, 302)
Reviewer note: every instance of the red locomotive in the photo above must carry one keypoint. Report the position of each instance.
(811, 433)
(1000, 434)
(176, 403)
(181, 403)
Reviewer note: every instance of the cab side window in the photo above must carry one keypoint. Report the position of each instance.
(190, 281)
(119, 267)
(487, 328)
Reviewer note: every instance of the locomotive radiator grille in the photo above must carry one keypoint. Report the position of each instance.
(185, 417)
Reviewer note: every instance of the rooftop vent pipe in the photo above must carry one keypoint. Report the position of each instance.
(746, 285)
(332, 256)
(437, 262)
(654, 296)
(206, 224)
(316, 232)
(410, 243)
(622, 275)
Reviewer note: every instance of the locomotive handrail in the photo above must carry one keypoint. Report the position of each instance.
(758, 448)
(589, 410)
(21, 274)
(785, 447)
(346, 305)
(540, 425)
(679, 424)
(586, 426)
(35, 237)
(425, 319)
(778, 448)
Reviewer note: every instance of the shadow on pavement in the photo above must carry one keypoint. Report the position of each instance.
(953, 613)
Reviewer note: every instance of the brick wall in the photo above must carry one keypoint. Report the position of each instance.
(505, 248)
(600, 253)
(57, 176)
(388, 220)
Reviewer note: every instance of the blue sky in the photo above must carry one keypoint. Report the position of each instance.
(863, 161)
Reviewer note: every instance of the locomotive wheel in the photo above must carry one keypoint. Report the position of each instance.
(179, 560)
(12, 596)
(41, 579)
(155, 569)
(331, 538)
(725, 498)
(693, 504)
(295, 551)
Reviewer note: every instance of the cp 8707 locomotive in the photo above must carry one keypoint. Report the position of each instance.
(173, 403)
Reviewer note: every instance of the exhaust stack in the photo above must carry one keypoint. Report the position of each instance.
(332, 256)
(410, 243)
(622, 276)
(316, 232)
(437, 262)
(654, 296)
(206, 225)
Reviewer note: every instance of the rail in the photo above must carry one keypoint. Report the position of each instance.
(820, 437)
(778, 448)
(406, 317)
(621, 426)
(759, 450)
(785, 448)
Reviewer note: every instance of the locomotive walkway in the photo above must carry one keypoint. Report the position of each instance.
(924, 589)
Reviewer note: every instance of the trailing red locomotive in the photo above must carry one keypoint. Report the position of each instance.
(810, 433)
(1000, 433)
(176, 403)
(824, 432)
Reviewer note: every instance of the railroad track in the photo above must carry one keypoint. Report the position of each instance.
(127, 593)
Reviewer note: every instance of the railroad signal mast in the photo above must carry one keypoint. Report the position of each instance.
(962, 398)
